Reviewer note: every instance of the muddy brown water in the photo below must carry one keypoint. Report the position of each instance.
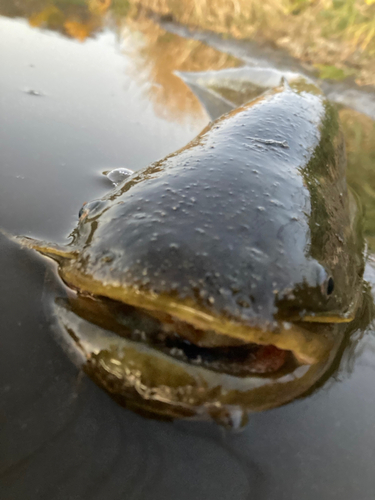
(70, 110)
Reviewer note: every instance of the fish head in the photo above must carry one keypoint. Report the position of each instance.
(242, 250)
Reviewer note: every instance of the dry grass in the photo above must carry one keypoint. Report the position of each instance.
(336, 36)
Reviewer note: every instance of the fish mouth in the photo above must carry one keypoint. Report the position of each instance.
(187, 329)
(219, 352)
(260, 353)
(161, 367)
(191, 331)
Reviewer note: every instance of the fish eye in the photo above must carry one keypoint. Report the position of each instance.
(325, 281)
(330, 286)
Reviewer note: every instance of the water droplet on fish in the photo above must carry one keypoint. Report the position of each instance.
(117, 175)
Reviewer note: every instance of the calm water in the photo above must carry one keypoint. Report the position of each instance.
(70, 110)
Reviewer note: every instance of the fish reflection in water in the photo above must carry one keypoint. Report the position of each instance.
(224, 278)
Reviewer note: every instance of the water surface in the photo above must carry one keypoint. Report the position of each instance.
(71, 109)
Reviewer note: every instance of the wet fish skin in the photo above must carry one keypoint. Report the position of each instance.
(251, 213)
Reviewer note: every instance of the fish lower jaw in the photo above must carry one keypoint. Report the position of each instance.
(186, 343)
(307, 345)
(216, 351)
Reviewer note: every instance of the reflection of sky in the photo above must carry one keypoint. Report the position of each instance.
(91, 116)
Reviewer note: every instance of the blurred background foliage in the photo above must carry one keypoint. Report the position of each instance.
(336, 37)
(359, 132)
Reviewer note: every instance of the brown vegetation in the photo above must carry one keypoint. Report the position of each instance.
(337, 37)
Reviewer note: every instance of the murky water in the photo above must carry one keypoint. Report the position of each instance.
(71, 110)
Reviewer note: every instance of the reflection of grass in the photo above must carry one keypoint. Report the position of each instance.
(156, 59)
(75, 18)
(359, 133)
(336, 33)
